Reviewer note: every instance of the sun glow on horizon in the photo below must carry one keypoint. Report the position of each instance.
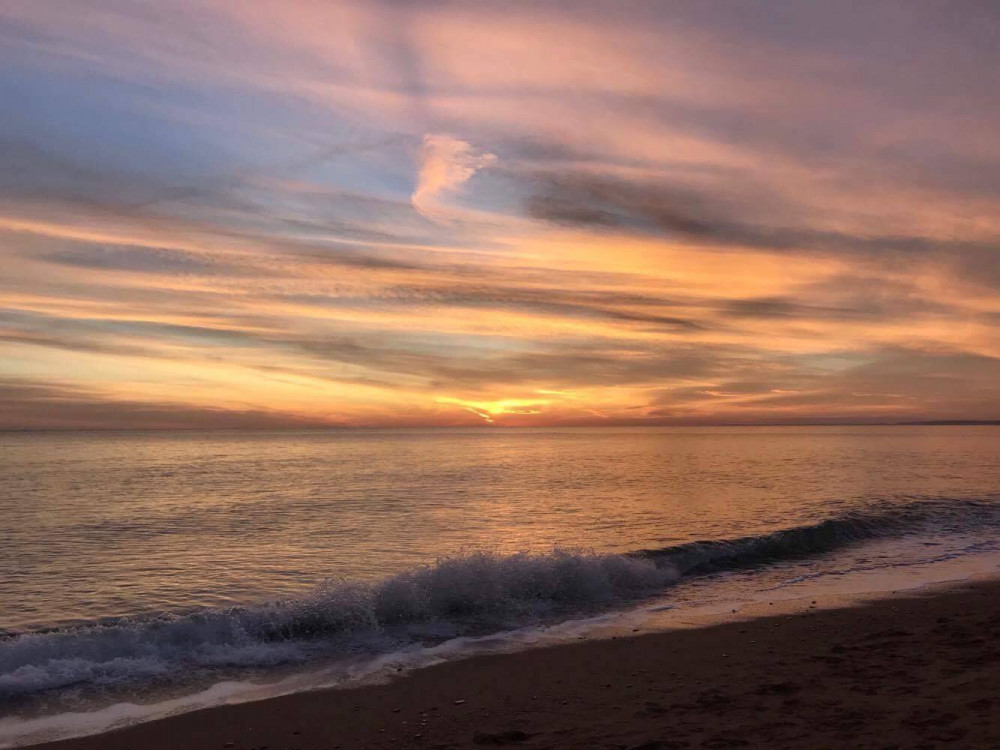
(488, 411)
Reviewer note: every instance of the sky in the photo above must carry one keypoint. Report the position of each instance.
(307, 213)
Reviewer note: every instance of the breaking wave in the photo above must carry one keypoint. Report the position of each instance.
(470, 593)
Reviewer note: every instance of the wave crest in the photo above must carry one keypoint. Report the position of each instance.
(466, 593)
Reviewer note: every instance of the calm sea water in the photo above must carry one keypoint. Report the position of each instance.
(110, 541)
(112, 524)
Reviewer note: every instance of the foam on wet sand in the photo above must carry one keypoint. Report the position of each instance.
(906, 671)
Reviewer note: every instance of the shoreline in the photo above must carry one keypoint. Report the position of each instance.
(916, 669)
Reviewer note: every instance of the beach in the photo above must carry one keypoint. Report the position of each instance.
(906, 671)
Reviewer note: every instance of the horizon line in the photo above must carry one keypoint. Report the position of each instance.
(320, 428)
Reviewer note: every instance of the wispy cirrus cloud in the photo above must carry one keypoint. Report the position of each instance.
(446, 163)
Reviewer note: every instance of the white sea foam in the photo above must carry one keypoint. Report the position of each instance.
(838, 585)
(365, 627)
(468, 592)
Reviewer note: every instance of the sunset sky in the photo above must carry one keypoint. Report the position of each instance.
(279, 214)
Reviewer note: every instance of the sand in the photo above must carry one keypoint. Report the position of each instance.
(904, 672)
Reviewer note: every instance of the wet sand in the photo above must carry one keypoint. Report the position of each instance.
(904, 672)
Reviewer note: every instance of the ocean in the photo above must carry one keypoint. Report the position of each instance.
(148, 572)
